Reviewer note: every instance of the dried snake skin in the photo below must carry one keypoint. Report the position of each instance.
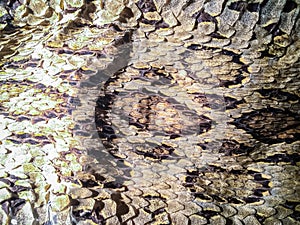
(149, 112)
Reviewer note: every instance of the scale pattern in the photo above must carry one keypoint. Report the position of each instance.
(149, 112)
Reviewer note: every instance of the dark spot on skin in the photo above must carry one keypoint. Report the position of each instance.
(238, 80)
(270, 125)
(235, 200)
(290, 5)
(293, 159)
(204, 17)
(252, 199)
(238, 6)
(253, 7)
(146, 6)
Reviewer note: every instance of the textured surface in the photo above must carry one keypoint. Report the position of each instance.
(149, 112)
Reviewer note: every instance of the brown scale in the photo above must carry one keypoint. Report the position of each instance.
(156, 115)
(148, 110)
(205, 184)
(157, 153)
(146, 7)
(272, 125)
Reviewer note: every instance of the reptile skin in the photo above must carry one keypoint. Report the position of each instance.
(149, 112)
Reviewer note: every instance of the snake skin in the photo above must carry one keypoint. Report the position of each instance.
(149, 112)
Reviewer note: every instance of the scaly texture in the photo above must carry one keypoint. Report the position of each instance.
(149, 112)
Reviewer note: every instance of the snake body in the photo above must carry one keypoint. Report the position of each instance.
(149, 112)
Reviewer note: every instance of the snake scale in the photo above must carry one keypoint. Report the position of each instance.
(150, 112)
